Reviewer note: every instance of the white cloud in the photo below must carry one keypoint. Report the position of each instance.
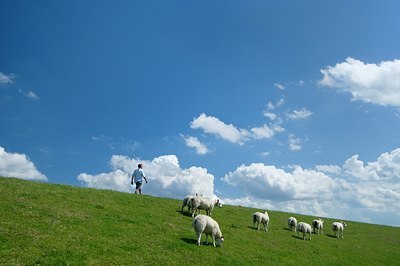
(213, 125)
(279, 86)
(359, 191)
(271, 106)
(6, 79)
(193, 142)
(166, 178)
(329, 169)
(386, 167)
(29, 94)
(265, 132)
(371, 83)
(266, 182)
(32, 95)
(294, 143)
(270, 115)
(19, 166)
(299, 114)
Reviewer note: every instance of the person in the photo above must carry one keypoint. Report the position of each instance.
(138, 176)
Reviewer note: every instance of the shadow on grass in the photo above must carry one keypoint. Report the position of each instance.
(184, 213)
(301, 238)
(287, 229)
(191, 241)
(331, 236)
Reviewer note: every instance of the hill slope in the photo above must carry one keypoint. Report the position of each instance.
(56, 224)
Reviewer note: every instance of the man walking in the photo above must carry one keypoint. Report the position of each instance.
(138, 175)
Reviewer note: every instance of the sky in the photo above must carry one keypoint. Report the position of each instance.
(291, 106)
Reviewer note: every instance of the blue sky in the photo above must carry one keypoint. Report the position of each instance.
(281, 105)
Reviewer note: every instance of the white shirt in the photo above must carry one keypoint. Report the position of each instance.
(138, 175)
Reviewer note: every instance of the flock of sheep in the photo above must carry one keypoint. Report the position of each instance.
(207, 225)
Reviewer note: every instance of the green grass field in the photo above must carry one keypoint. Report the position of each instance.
(51, 224)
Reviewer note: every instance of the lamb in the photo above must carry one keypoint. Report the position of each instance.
(201, 203)
(261, 218)
(338, 228)
(292, 223)
(318, 225)
(305, 228)
(207, 225)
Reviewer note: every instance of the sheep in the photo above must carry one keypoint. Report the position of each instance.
(292, 223)
(338, 228)
(318, 226)
(201, 203)
(261, 218)
(305, 228)
(207, 225)
(187, 202)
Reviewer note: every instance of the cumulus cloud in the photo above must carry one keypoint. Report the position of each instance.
(194, 142)
(213, 125)
(19, 166)
(166, 177)
(368, 192)
(371, 83)
(229, 132)
(265, 132)
(272, 116)
(6, 79)
(299, 114)
(386, 167)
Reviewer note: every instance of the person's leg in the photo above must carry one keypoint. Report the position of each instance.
(139, 187)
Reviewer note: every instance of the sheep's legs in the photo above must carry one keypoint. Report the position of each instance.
(199, 239)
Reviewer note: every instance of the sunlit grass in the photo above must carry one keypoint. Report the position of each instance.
(54, 224)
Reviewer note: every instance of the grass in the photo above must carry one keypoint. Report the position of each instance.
(50, 224)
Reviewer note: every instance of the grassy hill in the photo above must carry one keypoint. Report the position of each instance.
(56, 225)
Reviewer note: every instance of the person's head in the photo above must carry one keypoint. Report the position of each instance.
(140, 165)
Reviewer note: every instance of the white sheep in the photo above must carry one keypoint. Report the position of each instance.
(305, 228)
(318, 226)
(201, 203)
(292, 223)
(261, 218)
(207, 225)
(338, 228)
(186, 202)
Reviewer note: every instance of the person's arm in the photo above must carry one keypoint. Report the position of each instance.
(144, 176)
(132, 179)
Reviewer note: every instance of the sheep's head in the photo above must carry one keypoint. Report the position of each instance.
(219, 241)
(217, 203)
(344, 224)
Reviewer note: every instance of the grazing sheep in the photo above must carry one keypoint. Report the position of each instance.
(207, 225)
(201, 203)
(338, 228)
(186, 202)
(318, 226)
(261, 218)
(305, 228)
(292, 223)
